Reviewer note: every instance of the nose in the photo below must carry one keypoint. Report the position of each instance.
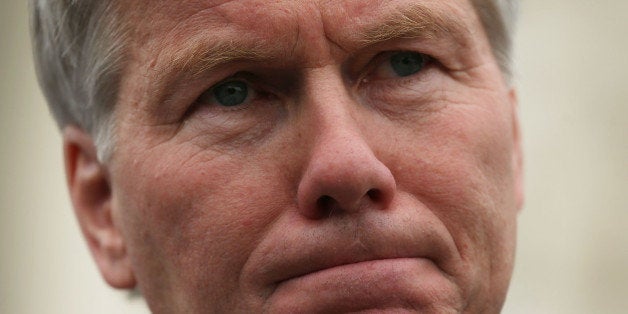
(343, 174)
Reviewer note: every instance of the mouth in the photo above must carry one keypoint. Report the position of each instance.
(391, 283)
(384, 260)
(358, 265)
(353, 271)
(354, 261)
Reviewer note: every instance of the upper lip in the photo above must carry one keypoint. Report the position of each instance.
(305, 252)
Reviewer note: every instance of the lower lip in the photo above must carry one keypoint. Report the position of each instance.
(403, 283)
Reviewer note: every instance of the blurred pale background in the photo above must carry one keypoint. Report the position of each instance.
(572, 73)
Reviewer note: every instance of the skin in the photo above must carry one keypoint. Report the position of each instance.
(337, 187)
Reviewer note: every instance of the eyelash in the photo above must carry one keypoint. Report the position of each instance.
(384, 58)
(244, 77)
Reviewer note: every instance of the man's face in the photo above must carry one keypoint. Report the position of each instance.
(315, 156)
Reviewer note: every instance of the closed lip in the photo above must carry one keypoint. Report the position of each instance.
(364, 263)
(317, 256)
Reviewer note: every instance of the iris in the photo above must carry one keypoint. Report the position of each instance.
(231, 93)
(407, 63)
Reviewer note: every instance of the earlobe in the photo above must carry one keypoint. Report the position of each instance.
(517, 149)
(91, 196)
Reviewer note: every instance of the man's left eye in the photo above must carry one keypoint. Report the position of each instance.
(391, 65)
(406, 63)
(230, 93)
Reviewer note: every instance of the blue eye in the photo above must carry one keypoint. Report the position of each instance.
(406, 63)
(231, 93)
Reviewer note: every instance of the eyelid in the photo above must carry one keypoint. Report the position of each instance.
(244, 77)
(380, 60)
(210, 102)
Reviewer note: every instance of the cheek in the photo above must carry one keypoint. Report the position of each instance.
(461, 168)
(182, 208)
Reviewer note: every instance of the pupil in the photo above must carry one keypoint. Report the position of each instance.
(407, 63)
(231, 93)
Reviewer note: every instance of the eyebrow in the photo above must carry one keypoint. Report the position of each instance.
(202, 58)
(198, 56)
(414, 21)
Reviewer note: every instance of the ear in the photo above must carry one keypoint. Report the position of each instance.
(518, 152)
(90, 192)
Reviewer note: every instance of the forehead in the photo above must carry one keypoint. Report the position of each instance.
(282, 20)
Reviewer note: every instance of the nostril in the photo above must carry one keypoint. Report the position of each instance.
(325, 203)
(374, 194)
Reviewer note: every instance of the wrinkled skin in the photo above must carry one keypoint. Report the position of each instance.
(337, 186)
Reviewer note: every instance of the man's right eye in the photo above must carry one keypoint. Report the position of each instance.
(227, 94)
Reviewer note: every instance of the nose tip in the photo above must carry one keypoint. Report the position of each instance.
(342, 173)
(347, 178)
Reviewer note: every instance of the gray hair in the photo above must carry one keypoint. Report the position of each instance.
(79, 50)
(499, 18)
(78, 47)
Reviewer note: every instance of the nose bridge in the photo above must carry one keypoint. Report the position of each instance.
(342, 174)
(334, 121)
(329, 107)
